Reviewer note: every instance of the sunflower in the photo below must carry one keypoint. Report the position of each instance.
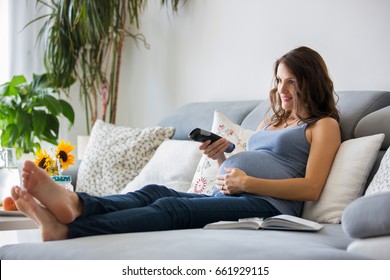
(43, 159)
(45, 162)
(63, 154)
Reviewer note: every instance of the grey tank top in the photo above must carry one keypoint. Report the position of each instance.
(275, 154)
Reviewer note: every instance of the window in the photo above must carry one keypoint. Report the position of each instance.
(4, 46)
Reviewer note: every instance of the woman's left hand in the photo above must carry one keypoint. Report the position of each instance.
(232, 181)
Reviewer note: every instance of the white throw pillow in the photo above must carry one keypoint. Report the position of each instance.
(115, 155)
(351, 167)
(381, 180)
(172, 165)
(206, 172)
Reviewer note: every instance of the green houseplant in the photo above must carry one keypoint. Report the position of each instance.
(84, 42)
(30, 113)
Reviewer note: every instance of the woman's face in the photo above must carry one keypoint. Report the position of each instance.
(287, 87)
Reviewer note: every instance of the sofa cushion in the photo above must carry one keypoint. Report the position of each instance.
(115, 155)
(173, 165)
(206, 172)
(376, 248)
(381, 180)
(346, 180)
(368, 216)
(192, 244)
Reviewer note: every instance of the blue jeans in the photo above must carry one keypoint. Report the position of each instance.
(155, 208)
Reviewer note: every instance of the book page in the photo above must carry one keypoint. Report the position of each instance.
(248, 224)
(279, 222)
(291, 222)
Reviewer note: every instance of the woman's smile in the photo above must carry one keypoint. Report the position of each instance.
(286, 98)
(287, 86)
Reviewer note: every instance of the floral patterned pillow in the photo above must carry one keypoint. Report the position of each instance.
(115, 155)
(381, 180)
(205, 175)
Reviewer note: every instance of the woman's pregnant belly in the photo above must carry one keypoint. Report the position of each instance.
(263, 164)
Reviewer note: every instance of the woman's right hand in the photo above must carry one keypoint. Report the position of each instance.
(215, 150)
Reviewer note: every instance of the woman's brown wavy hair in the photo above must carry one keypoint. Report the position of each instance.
(314, 89)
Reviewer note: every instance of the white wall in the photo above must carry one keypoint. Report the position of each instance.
(225, 50)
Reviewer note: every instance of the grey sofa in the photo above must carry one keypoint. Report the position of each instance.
(362, 113)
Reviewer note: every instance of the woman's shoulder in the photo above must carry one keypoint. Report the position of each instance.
(324, 128)
(327, 122)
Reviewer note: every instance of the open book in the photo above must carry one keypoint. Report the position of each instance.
(279, 222)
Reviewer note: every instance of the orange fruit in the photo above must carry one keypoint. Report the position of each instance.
(9, 204)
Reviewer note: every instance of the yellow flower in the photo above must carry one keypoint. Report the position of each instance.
(61, 161)
(63, 154)
(42, 159)
(45, 162)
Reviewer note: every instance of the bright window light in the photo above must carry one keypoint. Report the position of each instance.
(4, 47)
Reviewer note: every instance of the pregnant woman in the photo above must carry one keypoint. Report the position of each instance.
(287, 162)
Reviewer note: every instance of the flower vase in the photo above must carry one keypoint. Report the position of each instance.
(65, 181)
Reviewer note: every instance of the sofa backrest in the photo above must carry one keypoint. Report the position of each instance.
(201, 114)
(359, 110)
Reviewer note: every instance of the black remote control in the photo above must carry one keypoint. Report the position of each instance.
(201, 135)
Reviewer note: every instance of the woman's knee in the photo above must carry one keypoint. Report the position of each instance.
(151, 188)
(169, 204)
(153, 192)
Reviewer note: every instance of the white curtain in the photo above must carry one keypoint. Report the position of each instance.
(26, 53)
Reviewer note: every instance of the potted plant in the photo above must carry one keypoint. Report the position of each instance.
(30, 113)
(84, 41)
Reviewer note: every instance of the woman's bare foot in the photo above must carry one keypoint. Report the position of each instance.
(63, 204)
(51, 228)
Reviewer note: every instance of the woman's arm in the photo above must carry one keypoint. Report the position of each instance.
(216, 150)
(325, 140)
